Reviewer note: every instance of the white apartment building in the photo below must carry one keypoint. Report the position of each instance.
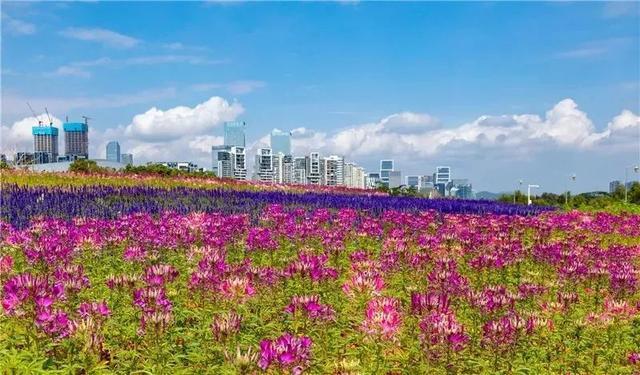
(354, 176)
(283, 168)
(313, 169)
(333, 171)
(263, 170)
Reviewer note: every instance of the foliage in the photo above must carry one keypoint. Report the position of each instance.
(162, 170)
(86, 166)
(584, 201)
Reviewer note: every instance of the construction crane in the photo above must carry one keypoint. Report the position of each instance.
(49, 116)
(34, 114)
(86, 119)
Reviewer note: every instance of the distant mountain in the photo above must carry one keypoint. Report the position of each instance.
(488, 195)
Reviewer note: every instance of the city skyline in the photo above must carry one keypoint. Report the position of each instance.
(531, 106)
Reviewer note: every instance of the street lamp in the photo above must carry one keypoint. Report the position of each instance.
(566, 195)
(519, 189)
(529, 193)
(626, 170)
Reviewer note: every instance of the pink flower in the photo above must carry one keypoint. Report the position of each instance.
(382, 318)
(237, 288)
(287, 352)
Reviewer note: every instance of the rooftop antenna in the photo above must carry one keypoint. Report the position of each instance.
(34, 114)
(49, 116)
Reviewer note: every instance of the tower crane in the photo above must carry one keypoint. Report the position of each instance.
(34, 114)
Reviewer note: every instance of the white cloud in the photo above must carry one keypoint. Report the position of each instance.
(18, 137)
(403, 134)
(156, 125)
(17, 27)
(103, 36)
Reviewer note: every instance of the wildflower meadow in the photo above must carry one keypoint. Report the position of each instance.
(105, 276)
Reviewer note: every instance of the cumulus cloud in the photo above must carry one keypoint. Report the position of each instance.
(103, 36)
(157, 125)
(418, 135)
(18, 137)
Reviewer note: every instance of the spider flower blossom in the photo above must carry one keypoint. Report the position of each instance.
(237, 288)
(311, 307)
(289, 353)
(155, 307)
(442, 328)
(312, 266)
(225, 325)
(364, 283)
(261, 239)
(382, 318)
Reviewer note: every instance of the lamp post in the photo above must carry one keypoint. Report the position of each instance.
(529, 193)
(566, 195)
(519, 189)
(626, 177)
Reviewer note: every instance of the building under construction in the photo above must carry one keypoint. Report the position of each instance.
(45, 143)
(76, 140)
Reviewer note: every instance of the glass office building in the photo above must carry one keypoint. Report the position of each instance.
(281, 142)
(113, 151)
(386, 166)
(234, 133)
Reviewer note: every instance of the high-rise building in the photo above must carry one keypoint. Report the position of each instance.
(333, 171)
(354, 176)
(76, 140)
(313, 169)
(300, 170)
(113, 151)
(234, 133)
(221, 163)
(281, 142)
(413, 181)
(460, 188)
(395, 179)
(426, 183)
(386, 166)
(373, 180)
(614, 185)
(126, 159)
(45, 144)
(263, 169)
(229, 162)
(443, 175)
(239, 162)
(282, 168)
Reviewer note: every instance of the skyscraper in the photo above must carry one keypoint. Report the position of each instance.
(414, 181)
(234, 133)
(263, 169)
(229, 162)
(441, 178)
(386, 166)
(282, 168)
(45, 143)
(113, 151)
(281, 142)
(333, 171)
(313, 172)
(76, 140)
(126, 159)
(395, 179)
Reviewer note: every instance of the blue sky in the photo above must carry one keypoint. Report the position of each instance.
(461, 84)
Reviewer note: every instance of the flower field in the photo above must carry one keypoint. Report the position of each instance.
(112, 278)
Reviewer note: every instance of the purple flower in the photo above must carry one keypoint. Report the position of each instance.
(288, 353)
